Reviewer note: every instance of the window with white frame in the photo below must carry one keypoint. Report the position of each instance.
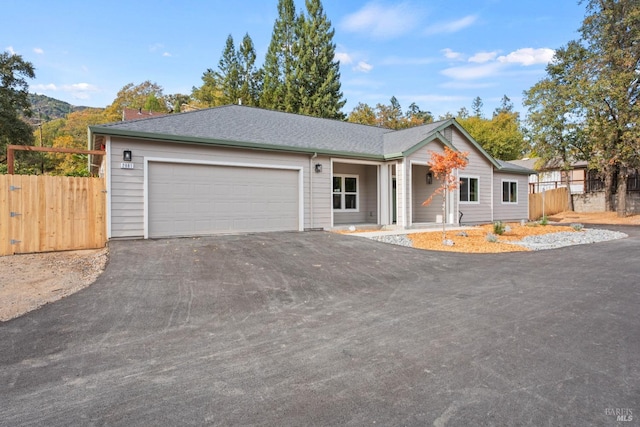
(469, 189)
(509, 191)
(345, 193)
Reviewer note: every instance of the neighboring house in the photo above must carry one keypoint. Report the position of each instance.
(138, 113)
(551, 175)
(245, 169)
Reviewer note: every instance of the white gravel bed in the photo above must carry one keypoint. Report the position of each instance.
(534, 243)
(568, 238)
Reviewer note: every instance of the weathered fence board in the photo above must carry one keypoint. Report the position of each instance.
(548, 203)
(51, 213)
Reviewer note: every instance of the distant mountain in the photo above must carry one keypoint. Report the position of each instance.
(45, 108)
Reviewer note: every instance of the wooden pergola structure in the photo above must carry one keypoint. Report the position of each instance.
(11, 149)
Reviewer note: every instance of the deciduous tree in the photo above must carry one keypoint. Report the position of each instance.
(135, 96)
(443, 165)
(501, 136)
(363, 114)
(600, 89)
(14, 72)
(555, 117)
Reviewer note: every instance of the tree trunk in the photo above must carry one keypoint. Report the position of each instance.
(569, 198)
(621, 197)
(608, 189)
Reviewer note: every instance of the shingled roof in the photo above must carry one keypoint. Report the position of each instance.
(251, 127)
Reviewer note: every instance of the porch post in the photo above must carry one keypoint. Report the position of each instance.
(383, 194)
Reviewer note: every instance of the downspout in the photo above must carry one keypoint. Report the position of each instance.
(492, 194)
(311, 172)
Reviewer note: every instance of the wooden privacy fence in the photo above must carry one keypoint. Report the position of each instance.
(51, 213)
(548, 203)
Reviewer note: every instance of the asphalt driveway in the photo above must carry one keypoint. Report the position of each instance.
(322, 329)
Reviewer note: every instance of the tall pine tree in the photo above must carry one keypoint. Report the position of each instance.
(279, 63)
(317, 73)
(249, 75)
(228, 74)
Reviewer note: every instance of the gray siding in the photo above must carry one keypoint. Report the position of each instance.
(482, 169)
(510, 211)
(127, 186)
(368, 194)
(478, 167)
(421, 191)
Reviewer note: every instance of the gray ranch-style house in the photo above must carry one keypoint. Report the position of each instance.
(245, 169)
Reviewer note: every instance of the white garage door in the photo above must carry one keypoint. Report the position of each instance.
(192, 200)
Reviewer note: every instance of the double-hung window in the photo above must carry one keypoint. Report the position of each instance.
(345, 193)
(509, 191)
(469, 189)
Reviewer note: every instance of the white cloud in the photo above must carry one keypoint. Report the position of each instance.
(451, 26)
(528, 56)
(76, 90)
(472, 72)
(43, 87)
(38, 50)
(10, 50)
(450, 54)
(363, 67)
(382, 21)
(396, 60)
(482, 57)
(156, 47)
(466, 85)
(167, 54)
(434, 98)
(343, 58)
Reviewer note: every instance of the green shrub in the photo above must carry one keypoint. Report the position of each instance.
(498, 228)
(577, 227)
(491, 238)
(544, 220)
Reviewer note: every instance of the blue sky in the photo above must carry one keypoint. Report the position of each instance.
(439, 54)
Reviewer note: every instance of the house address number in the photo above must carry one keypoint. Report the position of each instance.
(127, 165)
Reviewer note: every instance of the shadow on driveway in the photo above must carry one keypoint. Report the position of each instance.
(324, 329)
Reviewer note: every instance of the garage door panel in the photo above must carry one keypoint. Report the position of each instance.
(189, 200)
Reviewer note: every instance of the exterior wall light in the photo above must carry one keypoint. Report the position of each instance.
(318, 167)
(429, 178)
(126, 155)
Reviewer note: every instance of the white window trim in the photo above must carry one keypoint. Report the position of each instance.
(342, 193)
(502, 191)
(462, 202)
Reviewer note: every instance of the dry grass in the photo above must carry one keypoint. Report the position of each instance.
(476, 239)
(595, 218)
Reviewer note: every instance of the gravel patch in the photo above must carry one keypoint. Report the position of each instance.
(394, 239)
(534, 243)
(562, 239)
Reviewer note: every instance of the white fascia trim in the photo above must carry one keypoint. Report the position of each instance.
(358, 162)
(108, 179)
(147, 160)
